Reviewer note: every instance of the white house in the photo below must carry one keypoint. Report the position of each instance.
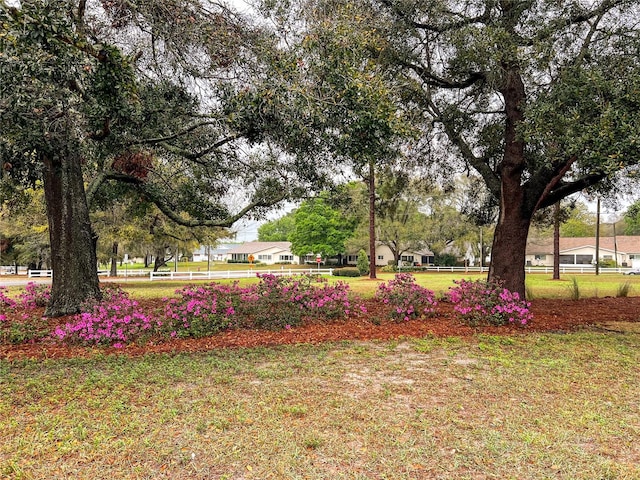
(263, 252)
(625, 250)
(384, 256)
(215, 254)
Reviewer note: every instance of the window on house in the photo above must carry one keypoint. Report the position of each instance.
(540, 257)
(286, 258)
(380, 257)
(584, 259)
(264, 257)
(407, 258)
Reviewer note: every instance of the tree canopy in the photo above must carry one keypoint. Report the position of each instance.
(539, 98)
(632, 219)
(319, 229)
(143, 93)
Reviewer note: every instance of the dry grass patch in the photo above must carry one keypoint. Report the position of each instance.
(535, 407)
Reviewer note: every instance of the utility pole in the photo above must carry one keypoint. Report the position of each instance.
(598, 237)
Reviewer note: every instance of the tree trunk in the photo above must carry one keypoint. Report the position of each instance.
(372, 221)
(73, 255)
(510, 239)
(161, 259)
(114, 260)
(508, 251)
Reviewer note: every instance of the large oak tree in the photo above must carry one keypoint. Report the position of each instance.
(540, 98)
(94, 92)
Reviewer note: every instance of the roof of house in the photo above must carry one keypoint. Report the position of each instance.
(219, 250)
(256, 247)
(623, 243)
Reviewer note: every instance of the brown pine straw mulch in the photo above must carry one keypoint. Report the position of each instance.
(550, 315)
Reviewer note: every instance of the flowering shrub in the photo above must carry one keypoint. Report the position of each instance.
(35, 295)
(406, 299)
(6, 303)
(276, 302)
(26, 325)
(203, 310)
(482, 302)
(115, 321)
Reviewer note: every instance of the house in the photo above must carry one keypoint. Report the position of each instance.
(621, 249)
(262, 252)
(384, 255)
(214, 254)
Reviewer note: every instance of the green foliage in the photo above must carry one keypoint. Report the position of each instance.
(347, 272)
(632, 219)
(363, 262)
(581, 222)
(444, 260)
(277, 230)
(319, 229)
(574, 289)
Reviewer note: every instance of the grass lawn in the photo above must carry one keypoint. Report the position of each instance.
(533, 406)
(529, 407)
(539, 285)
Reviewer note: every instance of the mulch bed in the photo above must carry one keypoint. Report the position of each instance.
(550, 315)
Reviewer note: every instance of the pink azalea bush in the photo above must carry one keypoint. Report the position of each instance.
(274, 303)
(406, 299)
(203, 310)
(282, 302)
(28, 325)
(114, 321)
(6, 303)
(35, 295)
(481, 302)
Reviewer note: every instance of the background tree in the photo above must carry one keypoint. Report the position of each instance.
(363, 262)
(401, 228)
(632, 219)
(319, 229)
(23, 223)
(277, 230)
(580, 222)
(350, 103)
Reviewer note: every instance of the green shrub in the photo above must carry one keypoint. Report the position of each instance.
(363, 262)
(346, 272)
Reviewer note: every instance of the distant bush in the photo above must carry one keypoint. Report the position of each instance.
(346, 272)
(363, 262)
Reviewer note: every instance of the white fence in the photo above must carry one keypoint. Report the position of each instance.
(208, 275)
(39, 273)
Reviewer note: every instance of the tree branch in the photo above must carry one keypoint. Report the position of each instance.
(196, 155)
(226, 222)
(435, 28)
(567, 189)
(489, 176)
(190, 128)
(434, 80)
